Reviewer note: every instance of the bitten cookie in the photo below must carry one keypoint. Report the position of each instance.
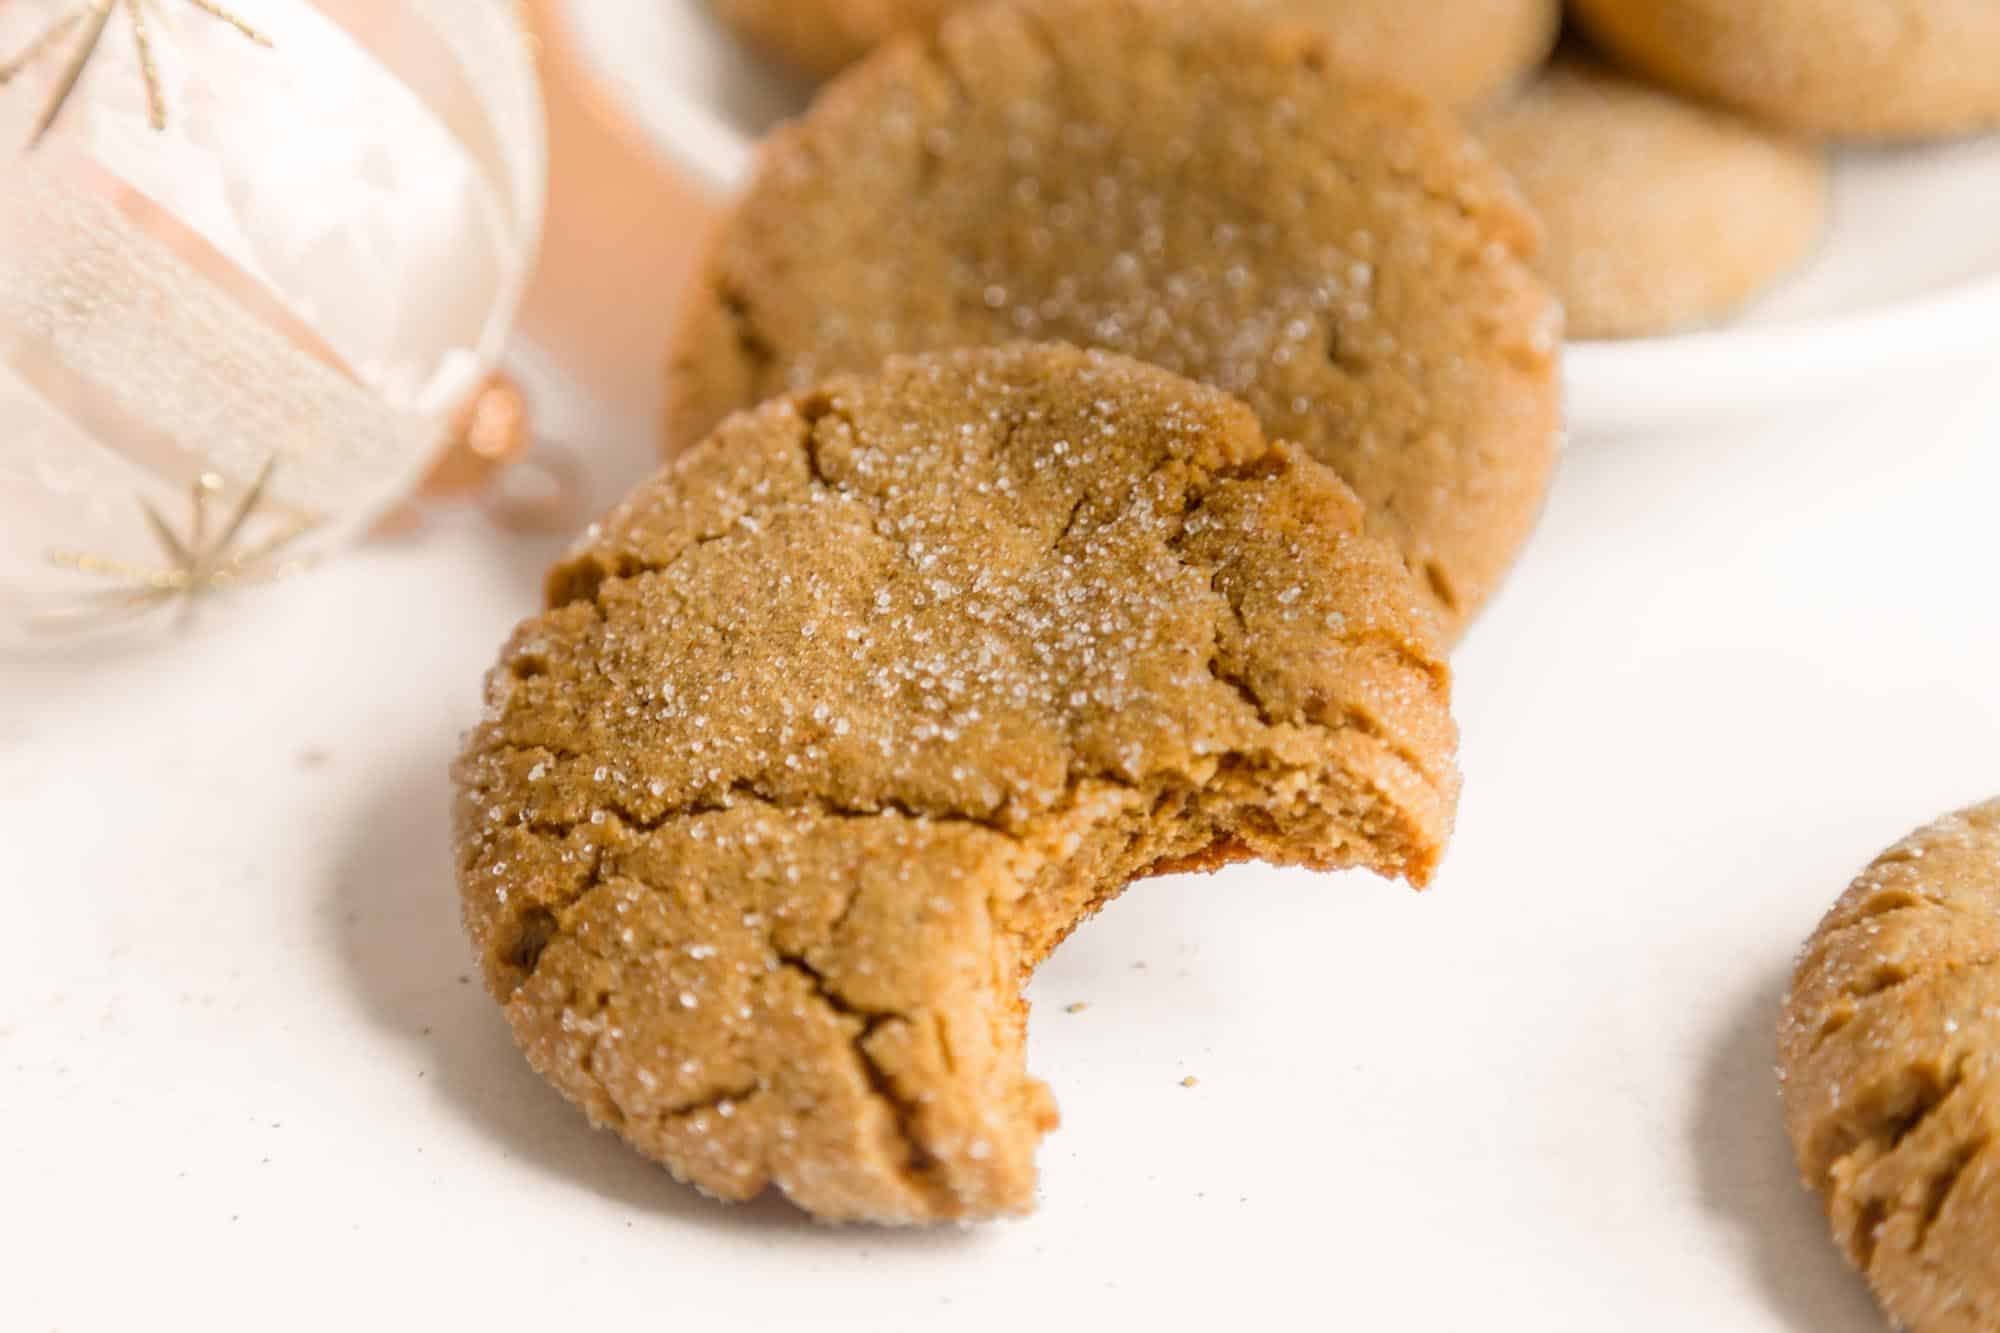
(1890, 1055)
(1183, 186)
(1657, 213)
(1460, 51)
(1851, 69)
(841, 723)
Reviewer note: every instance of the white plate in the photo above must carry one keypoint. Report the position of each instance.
(1909, 276)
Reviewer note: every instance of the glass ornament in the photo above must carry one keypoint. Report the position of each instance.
(254, 257)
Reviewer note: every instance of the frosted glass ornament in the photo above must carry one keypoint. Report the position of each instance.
(241, 272)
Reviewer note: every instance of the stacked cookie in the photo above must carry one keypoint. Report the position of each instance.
(1692, 176)
(1675, 181)
(1658, 213)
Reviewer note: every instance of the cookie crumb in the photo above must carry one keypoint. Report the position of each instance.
(1190, 1081)
(1076, 1008)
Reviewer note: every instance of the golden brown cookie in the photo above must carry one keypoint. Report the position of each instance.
(1200, 192)
(1889, 1053)
(842, 722)
(1657, 213)
(1849, 69)
(1459, 51)
(820, 37)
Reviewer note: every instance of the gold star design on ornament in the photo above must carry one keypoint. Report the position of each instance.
(93, 16)
(197, 564)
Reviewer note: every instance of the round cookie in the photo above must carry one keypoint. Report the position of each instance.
(843, 721)
(1657, 213)
(1851, 69)
(1203, 193)
(1459, 51)
(1889, 1052)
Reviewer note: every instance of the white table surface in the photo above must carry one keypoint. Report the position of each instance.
(245, 1082)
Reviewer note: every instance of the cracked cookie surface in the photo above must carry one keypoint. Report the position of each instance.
(1889, 1052)
(836, 727)
(1184, 184)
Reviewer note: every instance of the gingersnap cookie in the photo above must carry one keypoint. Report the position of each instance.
(1182, 185)
(1459, 51)
(842, 722)
(818, 38)
(1889, 1054)
(1849, 69)
(1657, 213)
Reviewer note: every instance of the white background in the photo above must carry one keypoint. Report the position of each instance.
(244, 1082)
